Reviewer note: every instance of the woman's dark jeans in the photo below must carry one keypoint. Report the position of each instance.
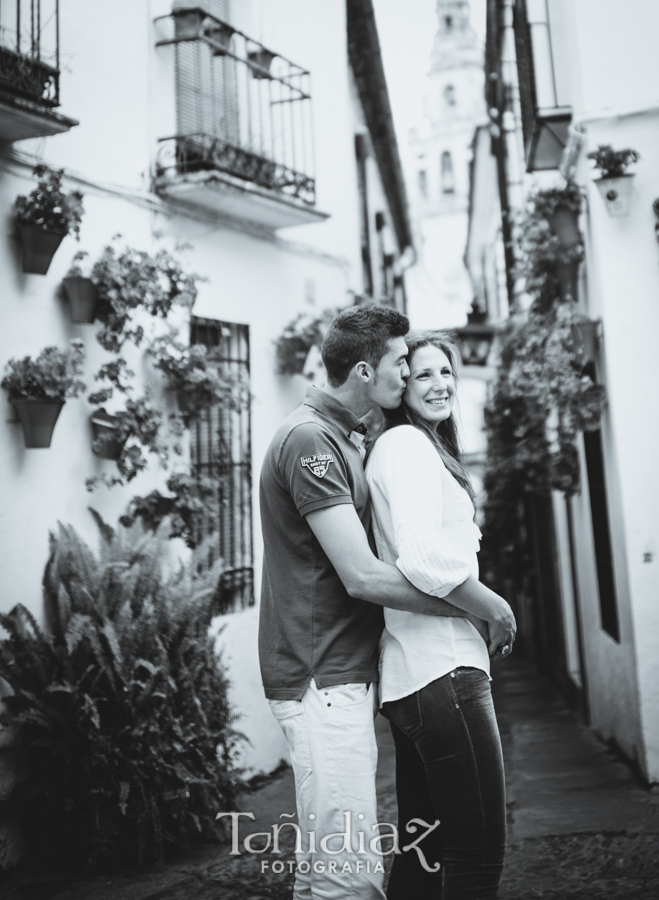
(449, 766)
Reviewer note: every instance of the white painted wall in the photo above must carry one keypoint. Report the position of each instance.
(616, 69)
(120, 87)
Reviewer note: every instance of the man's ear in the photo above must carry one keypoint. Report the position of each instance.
(363, 371)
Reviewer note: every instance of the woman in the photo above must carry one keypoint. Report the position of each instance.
(435, 686)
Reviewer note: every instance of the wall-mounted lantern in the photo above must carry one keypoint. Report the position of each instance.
(475, 339)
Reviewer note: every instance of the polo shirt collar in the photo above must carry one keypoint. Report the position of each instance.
(333, 409)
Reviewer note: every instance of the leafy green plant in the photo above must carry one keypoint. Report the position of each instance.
(79, 267)
(613, 163)
(195, 373)
(297, 338)
(191, 507)
(546, 201)
(542, 397)
(137, 428)
(48, 206)
(119, 707)
(134, 279)
(53, 375)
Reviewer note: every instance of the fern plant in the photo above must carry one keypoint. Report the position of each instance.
(119, 705)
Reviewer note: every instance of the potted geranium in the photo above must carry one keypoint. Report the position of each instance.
(38, 389)
(132, 279)
(615, 182)
(560, 206)
(195, 374)
(124, 435)
(44, 217)
(80, 291)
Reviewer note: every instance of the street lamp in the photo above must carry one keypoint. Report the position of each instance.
(475, 339)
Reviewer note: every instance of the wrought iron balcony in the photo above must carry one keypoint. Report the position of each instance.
(243, 145)
(29, 70)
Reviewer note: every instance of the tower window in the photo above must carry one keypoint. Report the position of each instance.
(449, 95)
(423, 182)
(448, 21)
(447, 179)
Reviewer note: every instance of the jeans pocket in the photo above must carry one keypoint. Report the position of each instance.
(405, 713)
(284, 709)
(293, 722)
(472, 686)
(347, 695)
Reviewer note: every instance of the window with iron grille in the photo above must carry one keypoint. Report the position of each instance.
(220, 447)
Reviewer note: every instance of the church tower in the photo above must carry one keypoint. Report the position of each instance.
(453, 105)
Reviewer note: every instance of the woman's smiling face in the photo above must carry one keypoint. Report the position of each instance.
(430, 390)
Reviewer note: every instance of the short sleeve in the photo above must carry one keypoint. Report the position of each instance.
(314, 469)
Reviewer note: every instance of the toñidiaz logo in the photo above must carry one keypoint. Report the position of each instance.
(319, 463)
(347, 851)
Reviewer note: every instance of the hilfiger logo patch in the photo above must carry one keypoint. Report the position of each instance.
(319, 463)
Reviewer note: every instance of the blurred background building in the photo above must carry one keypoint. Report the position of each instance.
(562, 79)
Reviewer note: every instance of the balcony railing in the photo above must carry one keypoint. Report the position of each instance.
(29, 51)
(242, 111)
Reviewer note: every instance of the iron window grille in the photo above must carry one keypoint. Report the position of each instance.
(29, 51)
(241, 108)
(221, 448)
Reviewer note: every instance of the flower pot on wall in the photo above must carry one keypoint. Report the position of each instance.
(563, 222)
(38, 418)
(83, 298)
(39, 246)
(616, 193)
(261, 61)
(188, 21)
(221, 36)
(568, 279)
(585, 336)
(106, 444)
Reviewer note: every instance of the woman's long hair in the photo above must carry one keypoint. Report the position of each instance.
(445, 435)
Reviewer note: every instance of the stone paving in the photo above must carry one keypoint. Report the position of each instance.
(580, 824)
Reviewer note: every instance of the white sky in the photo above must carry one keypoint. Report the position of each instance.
(407, 30)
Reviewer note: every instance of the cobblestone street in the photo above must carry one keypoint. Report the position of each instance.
(580, 824)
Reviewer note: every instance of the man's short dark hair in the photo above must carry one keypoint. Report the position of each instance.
(360, 333)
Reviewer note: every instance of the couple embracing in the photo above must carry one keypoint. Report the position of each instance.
(330, 658)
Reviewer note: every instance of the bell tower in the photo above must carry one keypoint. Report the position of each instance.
(453, 105)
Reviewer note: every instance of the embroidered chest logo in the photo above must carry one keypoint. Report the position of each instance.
(319, 463)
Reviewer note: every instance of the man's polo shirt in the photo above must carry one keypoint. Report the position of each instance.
(310, 627)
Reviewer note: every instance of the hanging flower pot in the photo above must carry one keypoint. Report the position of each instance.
(220, 35)
(188, 21)
(260, 60)
(39, 246)
(83, 298)
(616, 193)
(38, 418)
(585, 336)
(568, 279)
(563, 222)
(106, 443)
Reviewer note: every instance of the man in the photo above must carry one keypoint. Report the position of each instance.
(322, 594)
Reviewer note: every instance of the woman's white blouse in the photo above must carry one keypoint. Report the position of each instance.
(423, 523)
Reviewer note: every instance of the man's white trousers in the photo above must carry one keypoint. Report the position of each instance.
(331, 737)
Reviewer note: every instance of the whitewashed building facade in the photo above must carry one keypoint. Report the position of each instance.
(244, 131)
